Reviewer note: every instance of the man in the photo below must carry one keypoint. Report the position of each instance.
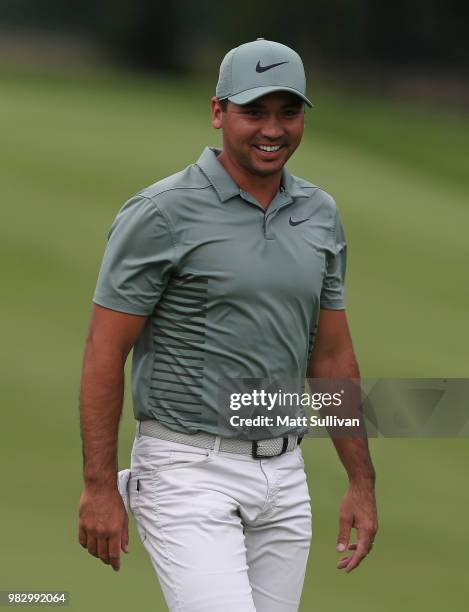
(232, 268)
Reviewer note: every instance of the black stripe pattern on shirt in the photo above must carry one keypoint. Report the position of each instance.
(312, 338)
(178, 331)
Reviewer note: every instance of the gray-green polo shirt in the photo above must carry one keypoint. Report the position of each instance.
(230, 290)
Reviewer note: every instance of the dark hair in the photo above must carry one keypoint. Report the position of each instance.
(223, 104)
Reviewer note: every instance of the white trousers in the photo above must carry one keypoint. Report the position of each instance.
(225, 532)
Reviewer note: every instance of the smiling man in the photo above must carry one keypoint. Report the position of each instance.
(232, 268)
(258, 139)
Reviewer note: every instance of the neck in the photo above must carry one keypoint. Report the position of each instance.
(263, 188)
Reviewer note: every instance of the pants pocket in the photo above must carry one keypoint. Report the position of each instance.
(299, 455)
(141, 498)
(123, 478)
(186, 458)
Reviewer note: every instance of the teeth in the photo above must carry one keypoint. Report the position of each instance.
(269, 149)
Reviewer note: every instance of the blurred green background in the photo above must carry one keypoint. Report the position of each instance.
(75, 144)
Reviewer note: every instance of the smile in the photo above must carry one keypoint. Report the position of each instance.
(268, 148)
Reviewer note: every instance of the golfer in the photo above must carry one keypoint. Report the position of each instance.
(230, 269)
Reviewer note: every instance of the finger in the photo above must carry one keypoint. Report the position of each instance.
(354, 562)
(114, 552)
(365, 540)
(345, 525)
(92, 545)
(82, 537)
(103, 550)
(359, 555)
(125, 537)
(343, 562)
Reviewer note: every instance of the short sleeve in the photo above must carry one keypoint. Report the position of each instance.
(333, 288)
(138, 260)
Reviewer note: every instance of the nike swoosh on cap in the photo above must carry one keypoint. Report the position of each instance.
(260, 68)
(298, 222)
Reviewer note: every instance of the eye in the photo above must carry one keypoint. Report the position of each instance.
(292, 112)
(253, 112)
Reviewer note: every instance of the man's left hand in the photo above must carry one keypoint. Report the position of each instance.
(357, 510)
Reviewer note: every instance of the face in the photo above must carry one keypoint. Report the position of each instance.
(260, 137)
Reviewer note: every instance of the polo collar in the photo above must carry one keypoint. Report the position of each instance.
(222, 182)
(225, 186)
(292, 186)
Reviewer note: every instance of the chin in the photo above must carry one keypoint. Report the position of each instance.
(268, 168)
(268, 171)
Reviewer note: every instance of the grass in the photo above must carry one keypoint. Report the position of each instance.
(72, 151)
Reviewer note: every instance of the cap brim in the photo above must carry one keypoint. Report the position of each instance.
(245, 97)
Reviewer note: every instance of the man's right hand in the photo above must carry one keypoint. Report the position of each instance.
(103, 525)
(103, 521)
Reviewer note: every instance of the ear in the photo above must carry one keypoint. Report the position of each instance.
(216, 113)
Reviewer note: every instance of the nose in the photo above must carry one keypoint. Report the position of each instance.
(271, 128)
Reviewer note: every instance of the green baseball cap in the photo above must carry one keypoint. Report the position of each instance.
(258, 68)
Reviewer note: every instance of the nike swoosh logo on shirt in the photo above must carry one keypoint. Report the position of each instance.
(260, 68)
(293, 223)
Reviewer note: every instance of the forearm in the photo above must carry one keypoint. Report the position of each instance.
(101, 398)
(352, 451)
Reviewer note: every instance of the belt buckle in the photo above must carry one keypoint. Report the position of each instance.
(255, 449)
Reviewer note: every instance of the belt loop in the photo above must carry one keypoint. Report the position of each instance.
(216, 446)
(292, 442)
(138, 429)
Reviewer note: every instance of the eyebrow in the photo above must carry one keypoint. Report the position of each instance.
(256, 106)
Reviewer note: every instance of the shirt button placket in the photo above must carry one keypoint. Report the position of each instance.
(268, 233)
